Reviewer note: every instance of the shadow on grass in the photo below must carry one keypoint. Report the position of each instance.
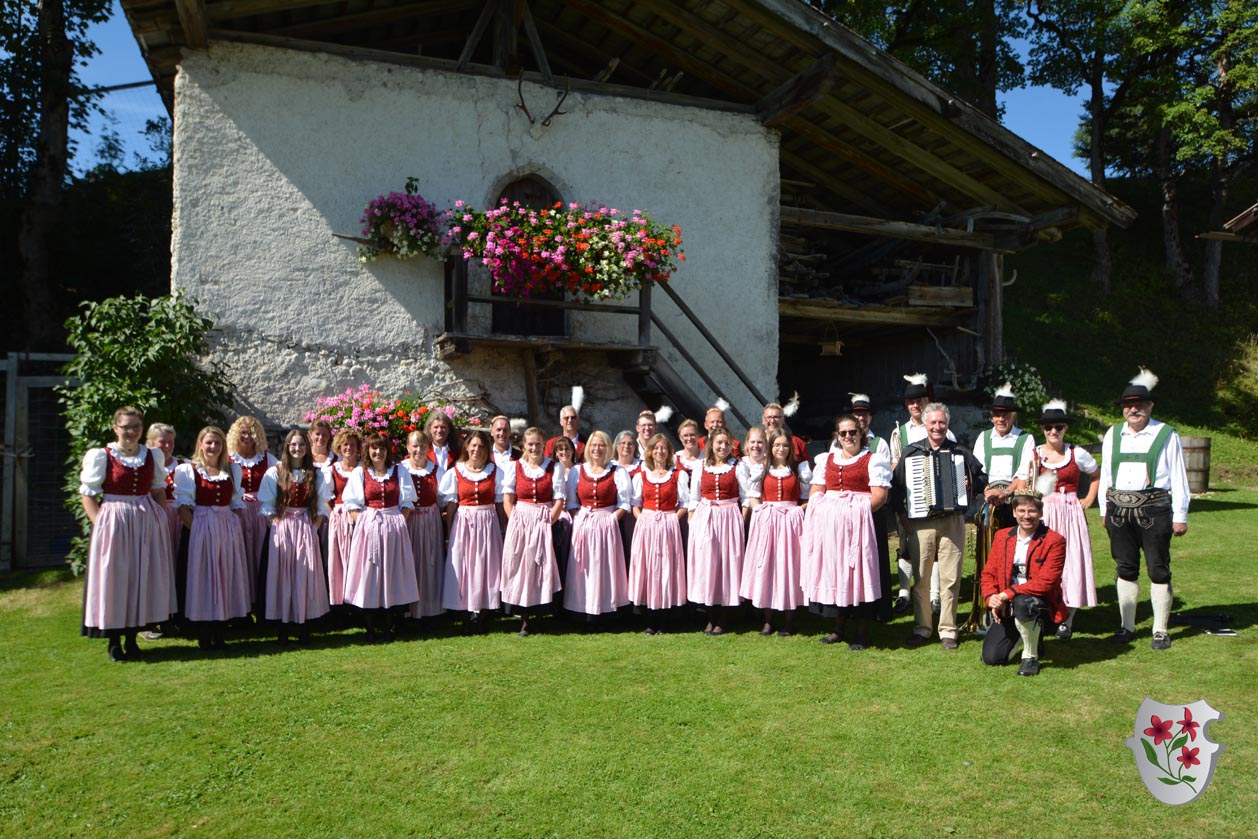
(45, 578)
(1214, 505)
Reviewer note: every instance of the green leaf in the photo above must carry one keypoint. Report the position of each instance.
(1170, 782)
(1149, 752)
(1178, 742)
(1189, 779)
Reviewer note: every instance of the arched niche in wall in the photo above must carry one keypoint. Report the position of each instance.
(534, 191)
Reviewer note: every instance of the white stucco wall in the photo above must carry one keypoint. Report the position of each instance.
(276, 150)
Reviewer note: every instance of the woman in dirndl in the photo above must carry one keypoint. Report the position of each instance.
(532, 500)
(211, 502)
(1063, 509)
(246, 444)
(348, 445)
(771, 563)
(599, 495)
(714, 556)
(380, 573)
(425, 527)
(751, 466)
(839, 559)
(565, 457)
(161, 436)
(657, 561)
(130, 581)
(295, 496)
(470, 491)
(625, 456)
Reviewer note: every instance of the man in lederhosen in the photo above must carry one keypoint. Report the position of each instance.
(1144, 502)
(1005, 452)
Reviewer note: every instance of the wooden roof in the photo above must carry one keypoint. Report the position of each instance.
(871, 136)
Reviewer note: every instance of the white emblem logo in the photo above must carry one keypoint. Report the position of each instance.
(1174, 754)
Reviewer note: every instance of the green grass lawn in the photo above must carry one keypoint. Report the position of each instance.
(620, 735)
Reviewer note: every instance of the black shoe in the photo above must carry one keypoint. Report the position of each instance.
(1161, 641)
(1123, 636)
(115, 653)
(900, 606)
(916, 640)
(1064, 633)
(767, 630)
(832, 638)
(856, 646)
(1030, 667)
(648, 631)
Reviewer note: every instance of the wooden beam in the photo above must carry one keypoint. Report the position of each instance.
(831, 312)
(837, 186)
(798, 92)
(951, 118)
(356, 53)
(666, 50)
(195, 23)
(478, 32)
(336, 26)
(886, 228)
(535, 44)
(826, 140)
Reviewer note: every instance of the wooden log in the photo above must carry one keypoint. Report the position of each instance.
(953, 296)
(884, 227)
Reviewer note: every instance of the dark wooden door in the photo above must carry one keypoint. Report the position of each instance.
(513, 318)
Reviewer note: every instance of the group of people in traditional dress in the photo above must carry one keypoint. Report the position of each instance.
(476, 523)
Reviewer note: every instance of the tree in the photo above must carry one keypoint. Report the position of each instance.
(135, 351)
(1087, 44)
(1213, 117)
(1193, 113)
(964, 46)
(41, 47)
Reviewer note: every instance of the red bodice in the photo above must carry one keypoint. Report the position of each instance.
(596, 493)
(170, 485)
(251, 476)
(780, 489)
(121, 479)
(425, 488)
(476, 493)
(298, 493)
(723, 487)
(213, 493)
(535, 490)
(452, 454)
(1067, 473)
(381, 494)
(339, 483)
(851, 478)
(662, 497)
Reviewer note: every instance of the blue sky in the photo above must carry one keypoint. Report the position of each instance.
(1045, 117)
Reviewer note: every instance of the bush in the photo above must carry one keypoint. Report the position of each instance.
(1237, 398)
(134, 351)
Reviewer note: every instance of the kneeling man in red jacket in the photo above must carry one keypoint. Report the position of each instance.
(1022, 585)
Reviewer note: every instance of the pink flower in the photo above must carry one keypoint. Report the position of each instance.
(1188, 725)
(1159, 730)
(1188, 757)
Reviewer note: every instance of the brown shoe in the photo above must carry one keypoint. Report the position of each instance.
(948, 643)
(916, 640)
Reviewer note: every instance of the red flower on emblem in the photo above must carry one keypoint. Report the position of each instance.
(1188, 725)
(1188, 757)
(1159, 730)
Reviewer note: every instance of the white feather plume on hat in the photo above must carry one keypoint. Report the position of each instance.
(1005, 390)
(790, 408)
(1046, 483)
(518, 424)
(721, 405)
(1055, 405)
(663, 414)
(578, 398)
(1146, 378)
(858, 397)
(916, 379)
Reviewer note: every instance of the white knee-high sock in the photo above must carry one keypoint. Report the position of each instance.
(1128, 591)
(1030, 632)
(1160, 594)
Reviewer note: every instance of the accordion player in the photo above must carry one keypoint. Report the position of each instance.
(935, 484)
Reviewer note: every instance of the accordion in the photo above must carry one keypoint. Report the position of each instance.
(935, 484)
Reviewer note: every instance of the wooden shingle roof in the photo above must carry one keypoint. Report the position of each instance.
(874, 137)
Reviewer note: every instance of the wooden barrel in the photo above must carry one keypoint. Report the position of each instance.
(1197, 463)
